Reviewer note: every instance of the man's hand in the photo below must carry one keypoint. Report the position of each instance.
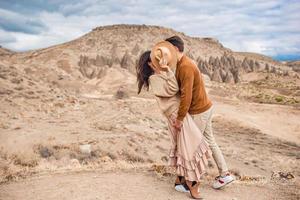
(177, 125)
(154, 68)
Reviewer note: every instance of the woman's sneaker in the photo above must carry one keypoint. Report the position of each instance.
(221, 181)
(180, 184)
(182, 188)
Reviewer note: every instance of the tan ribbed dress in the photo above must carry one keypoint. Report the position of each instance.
(189, 151)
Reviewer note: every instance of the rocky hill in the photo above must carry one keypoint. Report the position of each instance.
(103, 62)
(119, 46)
(295, 65)
(5, 52)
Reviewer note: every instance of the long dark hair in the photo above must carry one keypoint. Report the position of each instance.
(143, 71)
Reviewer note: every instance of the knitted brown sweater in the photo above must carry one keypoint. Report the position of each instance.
(193, 97)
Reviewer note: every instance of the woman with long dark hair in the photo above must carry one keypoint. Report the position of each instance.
(189, 151)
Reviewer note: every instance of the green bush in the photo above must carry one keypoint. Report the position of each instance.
(279, 99)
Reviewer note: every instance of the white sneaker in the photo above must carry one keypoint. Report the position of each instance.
(221, 181)
(181, 188)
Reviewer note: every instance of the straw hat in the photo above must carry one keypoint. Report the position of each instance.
(164, 50)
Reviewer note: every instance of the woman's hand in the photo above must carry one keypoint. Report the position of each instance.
(177, 125)
(163, 64)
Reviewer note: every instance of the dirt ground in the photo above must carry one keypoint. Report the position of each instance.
(126, 145)
(123, 185)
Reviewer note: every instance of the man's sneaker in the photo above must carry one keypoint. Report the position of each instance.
(221, 181)
(180, 184)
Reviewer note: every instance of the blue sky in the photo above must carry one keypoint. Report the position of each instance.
(262, 26)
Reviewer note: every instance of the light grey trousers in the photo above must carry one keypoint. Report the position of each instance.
(204, 123)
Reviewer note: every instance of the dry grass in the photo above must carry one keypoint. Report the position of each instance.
(15, 166)
(132, 157)
(270, 90)
(121, 94)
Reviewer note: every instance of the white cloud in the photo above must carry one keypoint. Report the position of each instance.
(6, 38)
(263, 26)
(12, 21)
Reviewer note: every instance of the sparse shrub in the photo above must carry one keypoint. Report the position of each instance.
(121, 94)
(163, 170)
(133, 157)
(164, 158)
(10, 172)
(45, 152)
(103, 126)
(236, 173)
(25, 160)
(279, 99)
(111, 155)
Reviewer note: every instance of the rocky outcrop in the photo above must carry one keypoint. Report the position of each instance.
(246, 65)
(295, 65)
(224, 69)
(127, 62)
(64, 65)
(236, 75)
(267, 67)
(205, 68)
(223, 74)
(5, 52)
(121, 46)
(136, 50)
(93, 68)
(228, 69)
(101, 61)
(229, 78)
(216, 76)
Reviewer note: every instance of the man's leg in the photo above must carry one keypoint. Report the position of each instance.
(204, 122)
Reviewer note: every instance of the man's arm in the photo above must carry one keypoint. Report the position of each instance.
(186, 78)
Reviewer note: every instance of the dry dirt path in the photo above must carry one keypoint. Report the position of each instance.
(276, 120)
(121, 185)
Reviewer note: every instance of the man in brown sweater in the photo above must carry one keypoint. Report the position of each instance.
(194, 100)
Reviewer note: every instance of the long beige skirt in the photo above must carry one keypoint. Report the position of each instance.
(189, 151)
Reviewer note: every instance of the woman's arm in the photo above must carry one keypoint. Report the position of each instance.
(164, 84)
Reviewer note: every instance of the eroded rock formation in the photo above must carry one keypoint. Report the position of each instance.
(228, 69)
(93, 68)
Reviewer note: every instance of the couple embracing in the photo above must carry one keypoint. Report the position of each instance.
(178, 87)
